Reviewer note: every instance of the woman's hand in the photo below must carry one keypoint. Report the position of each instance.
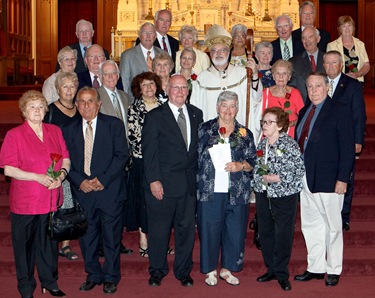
(252, 64)
(234, 166)
(44, 180)
(56, 183)
(271, 178)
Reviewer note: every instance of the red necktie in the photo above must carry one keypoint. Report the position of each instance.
(313, 64)
(305, 129)
(95, 82)
(164, 44)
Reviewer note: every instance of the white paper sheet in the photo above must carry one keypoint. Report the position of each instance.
(220, 155)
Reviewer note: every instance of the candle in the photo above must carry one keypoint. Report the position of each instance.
(112, 42)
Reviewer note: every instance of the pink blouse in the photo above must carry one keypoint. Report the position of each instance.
(24, 150)
(296, 104)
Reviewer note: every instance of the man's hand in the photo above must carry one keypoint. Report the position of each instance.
(340, 187)
(86, 186)
(157, 189)
(96, 183)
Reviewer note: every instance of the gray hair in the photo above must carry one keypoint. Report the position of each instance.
(319, 74)
(162, 10)
(188, 51)
(64, 51)
(263, 44)
(109, 62)
(186, 29)
(83, 22)
(304, 4)
(227, 95)
(283, 16)
(163, 55)
(239, 27)
(143, 25)
(330, 53)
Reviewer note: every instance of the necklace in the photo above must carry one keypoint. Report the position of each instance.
(150, 101)
(66, 106)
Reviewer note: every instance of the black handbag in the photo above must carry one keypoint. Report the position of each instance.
(67, 224)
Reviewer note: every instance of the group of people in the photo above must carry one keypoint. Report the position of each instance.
(172, 139)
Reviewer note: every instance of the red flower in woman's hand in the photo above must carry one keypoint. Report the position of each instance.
(55, 157)
(193, 76)
(260, 153)
(51, 170)
(222, 130)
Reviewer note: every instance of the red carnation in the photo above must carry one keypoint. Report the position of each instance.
(260, 153)
(193, 76)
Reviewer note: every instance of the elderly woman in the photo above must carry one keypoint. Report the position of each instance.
(353, 51)
(67, 58)
(144, 87)
(163, 65)
(277, 182)
(61, 113)
(28, 151)
(238, 53)
(188, 37)
(283, 96)
(223, 190)
(187, 62)
(264, 54)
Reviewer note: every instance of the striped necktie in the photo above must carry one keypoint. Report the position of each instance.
(149, 61)
(181, 121)
(117, 107)
(165, 48)
(286, 52)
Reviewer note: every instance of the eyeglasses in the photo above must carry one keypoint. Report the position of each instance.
(268, 122)
(92, 57)
(109, 74)
(179, 88)
(148, 33)
(219, 51)
(69, 59)
(187, 58)
(238, 36)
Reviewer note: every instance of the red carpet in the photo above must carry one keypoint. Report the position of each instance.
(357, 279)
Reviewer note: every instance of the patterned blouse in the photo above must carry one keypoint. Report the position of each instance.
(266, 77)
(284, 159)
(242, 149)
(351, 60)
(136, 117)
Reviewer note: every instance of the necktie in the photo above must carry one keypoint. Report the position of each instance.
(286, 52)
(95, 82)
(181, 121)
(313, 64)
(149, 61)
(89, 141)
(305, 129)
(330, 90)
(117, 107)
(164, 44)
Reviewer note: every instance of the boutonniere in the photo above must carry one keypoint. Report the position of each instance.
(279, 152)
(193, 76)
(287, 103)
(241, 133)
(260, 75)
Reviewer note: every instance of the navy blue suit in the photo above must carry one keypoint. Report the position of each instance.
(325, 38)
(277, 53)
(84, 79)
(103, 208)
(350, 92)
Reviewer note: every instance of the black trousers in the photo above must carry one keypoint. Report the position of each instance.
(162, 216)
(276, 219)
(32, 245)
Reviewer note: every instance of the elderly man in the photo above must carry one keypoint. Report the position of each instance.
(326, 138)
(286, 46)
(169, 147)
(84, 33)
(349, 92)
(223, 76)
(90, 77)
(311, 59)
(99, 153)
(307, 14)
(139, 58)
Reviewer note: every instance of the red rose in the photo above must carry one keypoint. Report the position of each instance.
(260, 75)
(193, 76)
(287, 95)
(260, 153)
(351, 66)
(55, 157)
(222, 130)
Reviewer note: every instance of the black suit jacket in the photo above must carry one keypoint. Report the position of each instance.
(109, 157)
(325, 38)
(165, 156)
(297, 49)
(302, 69)
(350, 92)
(329, 153)
(173, 42)
(84, 79)
(80, 64)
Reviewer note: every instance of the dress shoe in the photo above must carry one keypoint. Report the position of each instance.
(124, 250)
(309, 276)
(346, 227)
(87, 286)
(101, 253)
(109, 288)
(186, 281)
(54, 292)
(266, 277)
(285, 284)
(154, 281)
(332, 280)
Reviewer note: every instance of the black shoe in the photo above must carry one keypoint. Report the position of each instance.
(87, 286)
(124, 250)
(186, 281)
(54, 292)
(109, 288)
(309, 276)
(266, 277)
(346, 226)
(285, 284)
(154, 281)
(101, 253)
(332, 280)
